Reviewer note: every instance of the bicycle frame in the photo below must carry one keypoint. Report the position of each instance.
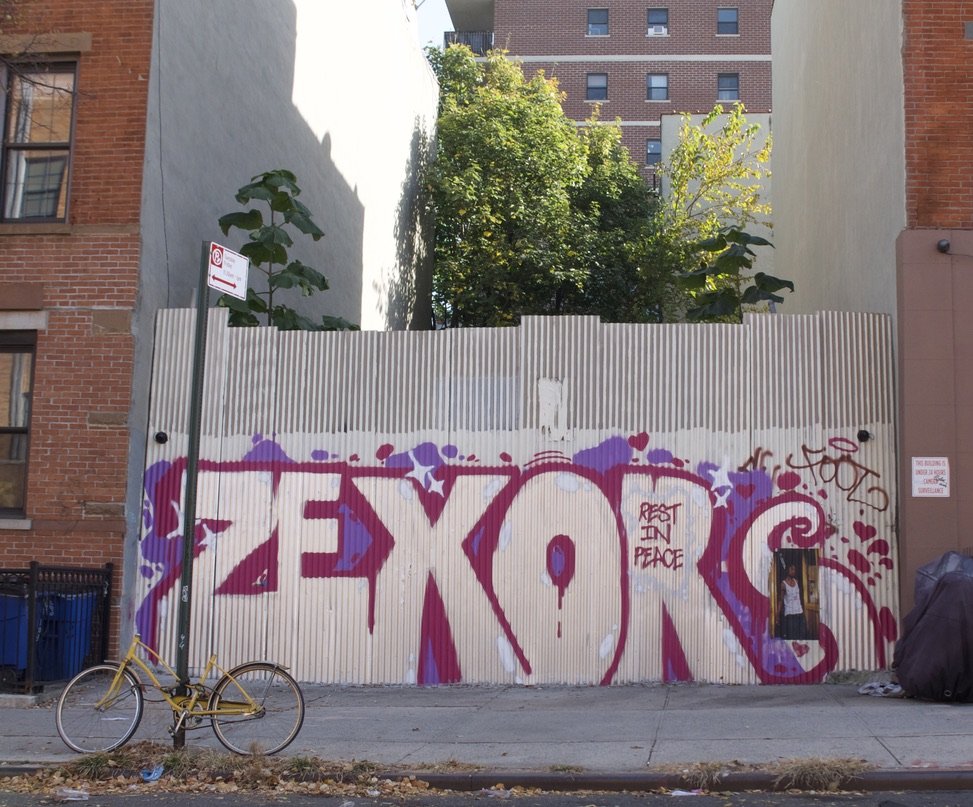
(183, 706)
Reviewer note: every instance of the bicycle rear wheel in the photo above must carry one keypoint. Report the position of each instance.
(92, 717)
(277, 719)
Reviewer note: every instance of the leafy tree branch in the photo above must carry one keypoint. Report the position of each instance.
(267, 249)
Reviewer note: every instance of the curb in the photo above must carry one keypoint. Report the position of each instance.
(8, 771)
(872, 781)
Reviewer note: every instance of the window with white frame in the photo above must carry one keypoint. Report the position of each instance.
(37, 116)
(657, 22)
(596, 87)
(597, 22)
(728, 87)
(657, 87)
(727, 21)
(16, 385)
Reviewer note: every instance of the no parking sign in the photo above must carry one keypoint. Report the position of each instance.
(227, 271)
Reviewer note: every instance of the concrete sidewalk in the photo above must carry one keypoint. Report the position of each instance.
(591, 734)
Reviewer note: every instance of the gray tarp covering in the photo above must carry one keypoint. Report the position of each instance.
(934, 657)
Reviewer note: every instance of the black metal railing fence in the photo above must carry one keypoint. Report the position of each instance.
(478, 41)
(54, 622)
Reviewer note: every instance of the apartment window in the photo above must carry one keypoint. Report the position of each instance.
(657, 87)
(653, 150)
(597, 22)
(597, 87)
(16, 380)
(727, 21)
(37, 111)
(728, 87)
(657, 21)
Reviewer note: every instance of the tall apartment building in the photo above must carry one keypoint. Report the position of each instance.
(873, 156)
(643, 61)
(127, 127)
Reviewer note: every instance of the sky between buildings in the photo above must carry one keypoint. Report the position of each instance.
(433, 21)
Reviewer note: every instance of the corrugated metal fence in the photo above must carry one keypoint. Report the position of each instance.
(563, 502)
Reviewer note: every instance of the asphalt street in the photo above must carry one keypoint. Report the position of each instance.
(587, 799)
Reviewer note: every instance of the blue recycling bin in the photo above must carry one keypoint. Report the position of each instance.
(64, 637)
(13, 631)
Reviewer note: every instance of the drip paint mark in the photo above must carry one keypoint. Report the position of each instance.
(560, 568)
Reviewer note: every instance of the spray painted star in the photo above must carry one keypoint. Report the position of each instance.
(421, 473)
(209, 536)
(722, 486)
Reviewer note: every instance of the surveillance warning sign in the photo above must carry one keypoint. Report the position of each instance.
(930, 476)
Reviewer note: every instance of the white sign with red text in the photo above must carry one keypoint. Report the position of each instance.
(227, 271)
(930, 476)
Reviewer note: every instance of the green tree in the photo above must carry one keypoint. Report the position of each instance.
(536, 215)
(267, 250)
(507, 162)
(713, 195)
(722, 282)
(631, 262)
(713, 175)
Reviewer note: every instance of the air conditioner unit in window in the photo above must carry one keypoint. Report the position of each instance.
(658, 30)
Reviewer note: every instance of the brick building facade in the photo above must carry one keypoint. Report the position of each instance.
(642, 61)
(73, 150)
(938, 115)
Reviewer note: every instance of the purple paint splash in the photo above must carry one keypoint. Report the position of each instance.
(266, 451)
(606, 455)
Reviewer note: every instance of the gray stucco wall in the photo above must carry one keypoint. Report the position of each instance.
(839, 165)
(339, 93)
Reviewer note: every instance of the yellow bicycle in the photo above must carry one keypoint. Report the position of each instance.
(255, 708)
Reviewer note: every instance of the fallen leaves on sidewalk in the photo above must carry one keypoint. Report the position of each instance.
(204, 771)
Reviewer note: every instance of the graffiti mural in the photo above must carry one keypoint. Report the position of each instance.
(428, 563)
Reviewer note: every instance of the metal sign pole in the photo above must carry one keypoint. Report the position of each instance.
(189, 504)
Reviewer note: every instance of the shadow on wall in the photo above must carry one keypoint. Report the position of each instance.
(408, 303)
(220, 111)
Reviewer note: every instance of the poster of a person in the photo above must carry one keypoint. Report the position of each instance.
(790, 606)
(794, 594)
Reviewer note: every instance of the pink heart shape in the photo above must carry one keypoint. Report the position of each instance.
(639, 441)
(865, 532)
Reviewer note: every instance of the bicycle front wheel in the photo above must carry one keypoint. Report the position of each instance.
(267, 726)
(93, 715)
